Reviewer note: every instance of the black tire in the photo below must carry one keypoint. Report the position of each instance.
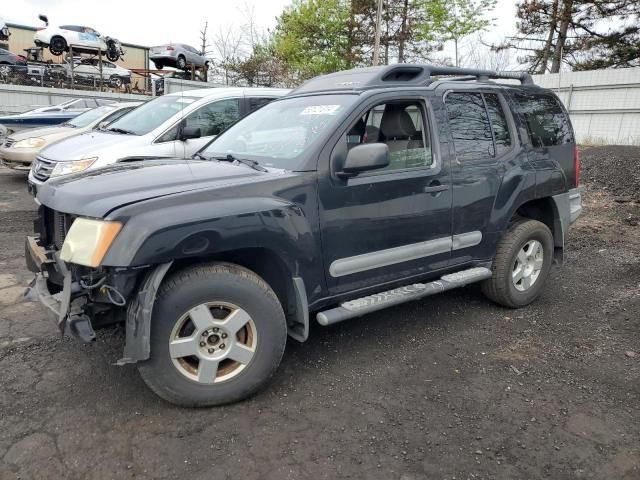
(181, 63)
(192, 287)
(115, 81)
(58, 45)
(113, 56)
(500, 288)
(159, 66)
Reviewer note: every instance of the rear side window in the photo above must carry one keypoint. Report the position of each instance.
(470, 126)
(547, 123)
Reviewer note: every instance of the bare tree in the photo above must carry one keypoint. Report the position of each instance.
(477, 53)
(228, 50)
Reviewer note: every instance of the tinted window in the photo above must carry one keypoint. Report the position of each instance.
(498, 123)
(214, 117)
(256, 103)
(547, 123)
(470, 127)
(400, 125)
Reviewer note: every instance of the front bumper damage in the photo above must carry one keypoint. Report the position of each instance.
(63, 307)
(67, 301)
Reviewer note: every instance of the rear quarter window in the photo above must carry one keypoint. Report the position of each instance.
(547, 123)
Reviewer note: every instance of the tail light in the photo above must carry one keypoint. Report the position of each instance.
(41, 28)
(21, 57)
(576, 164)
(171, 49)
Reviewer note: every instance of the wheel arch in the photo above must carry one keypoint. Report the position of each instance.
(547, 211)
(276, 272)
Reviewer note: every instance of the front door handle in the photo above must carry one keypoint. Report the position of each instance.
(436, 188)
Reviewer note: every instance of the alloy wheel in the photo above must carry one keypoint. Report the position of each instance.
(213, 342)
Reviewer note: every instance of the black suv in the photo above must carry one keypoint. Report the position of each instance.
(358, 191)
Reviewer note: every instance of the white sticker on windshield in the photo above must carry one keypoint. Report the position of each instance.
(185, 100)
(320, 110)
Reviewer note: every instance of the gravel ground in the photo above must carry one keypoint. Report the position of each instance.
(450, 387)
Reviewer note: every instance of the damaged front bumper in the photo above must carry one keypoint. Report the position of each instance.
(67, 301)
(62, 307)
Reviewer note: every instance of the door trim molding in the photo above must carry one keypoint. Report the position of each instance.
(404, 253)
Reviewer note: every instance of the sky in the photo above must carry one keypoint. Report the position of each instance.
(135, 22)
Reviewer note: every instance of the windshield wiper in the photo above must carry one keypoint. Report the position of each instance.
(250, 163)
(121, 130)
(199, 155)
(67, 124)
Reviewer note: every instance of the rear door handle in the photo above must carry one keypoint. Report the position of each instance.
(436, 188)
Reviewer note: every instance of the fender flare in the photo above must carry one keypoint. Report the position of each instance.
(138, 323)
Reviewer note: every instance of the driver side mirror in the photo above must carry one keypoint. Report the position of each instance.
(45, 19)
(361, 158)
(190, 132)
(102, 124)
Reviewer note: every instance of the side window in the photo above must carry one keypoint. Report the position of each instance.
(258, 102)
(470, 127)
(401, 126)
(547, 123)
(498, 123)
(170, 135)
(214, 117)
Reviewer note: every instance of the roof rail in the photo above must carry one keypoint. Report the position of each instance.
(402, 75)
(424, 73)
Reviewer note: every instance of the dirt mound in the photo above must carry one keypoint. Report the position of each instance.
(615, 168)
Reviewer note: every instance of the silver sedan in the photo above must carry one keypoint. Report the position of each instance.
(177, 55)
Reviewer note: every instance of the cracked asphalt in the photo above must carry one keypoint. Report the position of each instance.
(449, 387)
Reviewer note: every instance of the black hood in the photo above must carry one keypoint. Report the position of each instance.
(95, 193)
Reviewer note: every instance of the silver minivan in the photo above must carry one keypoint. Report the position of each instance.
(172, 126)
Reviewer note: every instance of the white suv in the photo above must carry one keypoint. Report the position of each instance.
(172, 126)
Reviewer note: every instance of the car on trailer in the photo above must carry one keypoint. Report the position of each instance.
(76, 39)
(178, 55)
(359, 191)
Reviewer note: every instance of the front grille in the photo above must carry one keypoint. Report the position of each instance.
(8, 142)
(42, 168)
(57, 225)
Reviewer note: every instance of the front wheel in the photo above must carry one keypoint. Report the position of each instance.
(521, 265)
(218, 333)
(181, 63)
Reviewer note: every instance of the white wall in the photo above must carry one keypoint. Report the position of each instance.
(604, 104)
(20, 98)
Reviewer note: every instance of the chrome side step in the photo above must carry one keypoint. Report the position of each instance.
(378, 301)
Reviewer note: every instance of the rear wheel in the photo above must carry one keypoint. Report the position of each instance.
(159, 66)
(115, 81)
(521, 265)
(218, 333)
(58, 45)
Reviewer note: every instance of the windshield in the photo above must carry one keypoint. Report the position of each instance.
(152, 114)
(87, 118)
(279, 133)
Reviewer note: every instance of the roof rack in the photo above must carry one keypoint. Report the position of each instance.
(403, 75)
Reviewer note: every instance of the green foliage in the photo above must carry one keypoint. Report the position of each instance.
(312, 37)
(453, 19)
